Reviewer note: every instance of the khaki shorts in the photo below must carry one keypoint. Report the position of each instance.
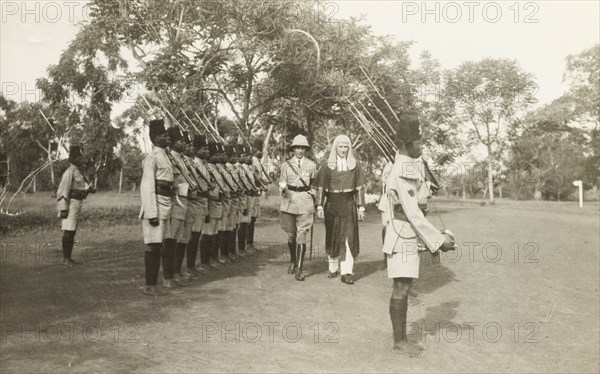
(212, 227)
(70, 223)
(156, 234)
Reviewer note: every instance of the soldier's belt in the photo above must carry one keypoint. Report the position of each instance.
(78, 194)
(202, 194)
(298, 189)
(163, 187)
(400, 214)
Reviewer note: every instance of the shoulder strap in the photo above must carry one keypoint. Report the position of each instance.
(295, 172)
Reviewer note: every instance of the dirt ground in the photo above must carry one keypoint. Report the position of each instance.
(521, 295)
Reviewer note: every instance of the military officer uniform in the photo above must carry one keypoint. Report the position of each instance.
(245, 217)
(200, 204)
(297, 204)
(72, 190)
(156, 189)
(179, 207)
(209, 244)
(408, 231)
(257, 170)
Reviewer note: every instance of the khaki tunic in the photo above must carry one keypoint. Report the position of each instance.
(297, 202)
(156, 166)
(72, 181)
(410, 232)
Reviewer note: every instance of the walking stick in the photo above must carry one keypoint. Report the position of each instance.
(312, 229)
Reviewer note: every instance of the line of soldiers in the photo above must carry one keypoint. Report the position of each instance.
(196, 196)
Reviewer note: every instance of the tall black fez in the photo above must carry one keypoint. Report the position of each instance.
(175, 134)
(199, 141)
(229, 150)
(157, 127)
(408, 127)
(213, 149)
(74, 152)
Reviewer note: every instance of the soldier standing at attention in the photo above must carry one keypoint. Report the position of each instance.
(209, 246)
(156, 189)
(257, 170)
(183, 241)
(408, 230)
(297, 204)
(72, 190)
(199, 162)
(179, 208)
(340, 187)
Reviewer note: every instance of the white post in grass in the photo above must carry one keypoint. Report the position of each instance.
(580, 185)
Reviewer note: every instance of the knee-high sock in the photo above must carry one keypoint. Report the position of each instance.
(192, 250)
(215, 246)
(229, 237)
(68, 241)
(168, 258)
(398, 309)
(205, 248)
(152, 263)
(221, 243)
(250, 231)
(179, 256)
(242, 236)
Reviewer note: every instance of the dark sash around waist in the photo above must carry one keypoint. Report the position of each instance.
(78, 194)
(337, 197)
(163, 187)
(401, 215)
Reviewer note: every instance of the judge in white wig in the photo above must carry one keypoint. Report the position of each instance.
(340, 199)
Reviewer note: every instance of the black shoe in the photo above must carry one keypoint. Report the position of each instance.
(333, 275)
(292, 269)
(347, 278)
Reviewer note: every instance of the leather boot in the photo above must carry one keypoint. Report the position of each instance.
(292, 249)
(300, 252)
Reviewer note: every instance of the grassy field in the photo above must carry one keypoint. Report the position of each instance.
(521, 295)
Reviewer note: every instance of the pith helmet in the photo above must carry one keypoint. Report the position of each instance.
(300, 141)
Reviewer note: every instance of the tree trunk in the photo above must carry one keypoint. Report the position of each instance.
(500, 190)
(120, 180)
(51, 164)
(490, 175)
(7, 171)
(96, 178)
(34, 183)
(464, 192)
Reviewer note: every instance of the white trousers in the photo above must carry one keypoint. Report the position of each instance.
(345, 266)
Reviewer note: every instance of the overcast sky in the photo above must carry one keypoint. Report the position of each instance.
(537, 34)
